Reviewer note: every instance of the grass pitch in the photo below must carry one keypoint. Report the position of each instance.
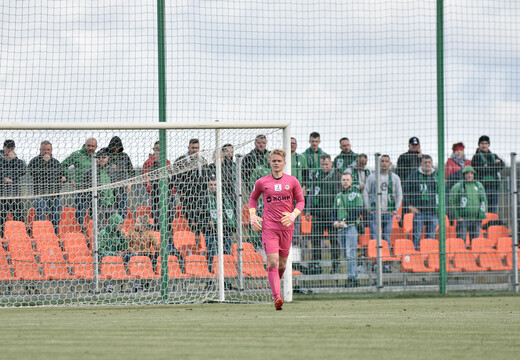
(395, 328)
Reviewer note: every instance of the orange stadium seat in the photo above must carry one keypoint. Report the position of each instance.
(385, 252)
(253, 265)
(112, 267)
(229, 266)
(504, 246)
(5, 270)
(82, 266)
(54, 267)
(75, 244)
(197, 266)
(246, 247)
(25, 267)
(174, 268)
(184, 242)
(141, 267)
(496, 232)
(492, 261)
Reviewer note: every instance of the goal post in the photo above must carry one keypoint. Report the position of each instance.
(62, 276)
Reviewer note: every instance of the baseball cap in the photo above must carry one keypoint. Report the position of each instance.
(9, 144)
(414, 141)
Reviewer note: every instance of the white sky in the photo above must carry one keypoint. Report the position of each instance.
(365, 70)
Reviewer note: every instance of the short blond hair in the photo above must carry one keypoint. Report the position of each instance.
(278, 152)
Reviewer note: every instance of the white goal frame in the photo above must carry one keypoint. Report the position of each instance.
(217, 126)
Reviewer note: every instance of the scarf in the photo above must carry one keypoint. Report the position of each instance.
(459, 161)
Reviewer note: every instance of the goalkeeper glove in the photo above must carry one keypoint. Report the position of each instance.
(256, 221)
(288, 218)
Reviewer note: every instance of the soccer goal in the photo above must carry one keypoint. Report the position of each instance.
(133, 213)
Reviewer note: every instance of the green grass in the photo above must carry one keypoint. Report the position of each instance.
(390, 328)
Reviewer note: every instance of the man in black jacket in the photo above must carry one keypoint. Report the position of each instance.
(47, 176)
(12, 170)
(410, 160)
(488, 166)
(120, 168)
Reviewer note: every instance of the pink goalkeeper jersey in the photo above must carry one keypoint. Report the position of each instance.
(279, 196)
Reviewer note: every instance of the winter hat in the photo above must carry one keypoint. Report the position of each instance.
(457, 146)
(483, 138)
(468, 168)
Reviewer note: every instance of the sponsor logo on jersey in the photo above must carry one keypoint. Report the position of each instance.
(287, 187)
(277, 198)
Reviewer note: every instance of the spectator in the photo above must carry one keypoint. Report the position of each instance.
(209, 208)
(298, 165)
(111, 241)
(81, 160)
(256, 157)
(322, 196)
(346, 157)
(421, 198)
(488, 166)
(391, 198)
(313, 155)
(120, 168)
(47, 176)
(12, 170)
(469, 204)
(359, 172)
(348, 206)
(191, 184)
(298, 170)
(261, 170)
(410, 161)
(228, 167)
(142, 241)
(147, 166)
(453, 171)
(106, 198)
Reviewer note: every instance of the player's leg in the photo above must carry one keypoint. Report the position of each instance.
(270, 240)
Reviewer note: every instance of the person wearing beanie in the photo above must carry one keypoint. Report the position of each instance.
(488, 166)
(453, 170)
(468, 202)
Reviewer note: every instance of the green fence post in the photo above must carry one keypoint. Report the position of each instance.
(163, 185)
(440, 146)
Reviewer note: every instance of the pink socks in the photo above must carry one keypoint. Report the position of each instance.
(274, 281)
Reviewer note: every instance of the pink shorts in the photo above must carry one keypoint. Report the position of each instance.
(277, 241)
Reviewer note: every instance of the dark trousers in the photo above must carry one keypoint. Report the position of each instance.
(13, 206)
(322, 221)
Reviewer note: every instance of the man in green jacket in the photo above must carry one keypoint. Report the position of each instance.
(325, 186)
(346, 157)
(81, 160)
(348, 206)
(312, 154)
(299, 171)
(468, 204)
(111, 241)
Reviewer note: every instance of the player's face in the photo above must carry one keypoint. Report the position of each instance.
(484, 146)
(193, 148)
(277, 163)
(294, 145)
(346, 181)
(344, 145)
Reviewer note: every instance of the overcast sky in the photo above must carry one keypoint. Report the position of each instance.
(364, 69)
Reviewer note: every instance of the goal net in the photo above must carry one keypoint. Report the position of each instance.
(91, 217)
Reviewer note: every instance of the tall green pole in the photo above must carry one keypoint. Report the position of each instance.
(440, 145)
(163, 185)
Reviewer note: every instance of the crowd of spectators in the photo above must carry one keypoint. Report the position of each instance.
(340, 194)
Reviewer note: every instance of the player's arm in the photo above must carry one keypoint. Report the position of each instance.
(255, 220)
(289, 218)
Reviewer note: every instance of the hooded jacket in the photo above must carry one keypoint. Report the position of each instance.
(110, 240)
(488, 169)
(468, 200)
(119, 164)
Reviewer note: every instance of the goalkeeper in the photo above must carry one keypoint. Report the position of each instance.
(280, 191)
